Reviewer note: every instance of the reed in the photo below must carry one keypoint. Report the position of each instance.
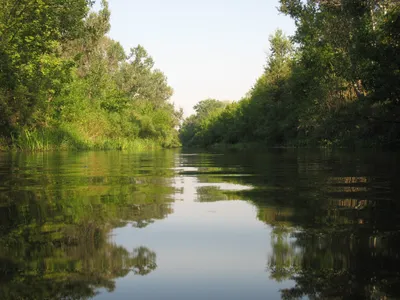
(68, 138)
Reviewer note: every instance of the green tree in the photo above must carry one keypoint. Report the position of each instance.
(32, 70)
(194, 128)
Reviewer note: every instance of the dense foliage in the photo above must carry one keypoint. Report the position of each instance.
(335, 82)
(64, 83)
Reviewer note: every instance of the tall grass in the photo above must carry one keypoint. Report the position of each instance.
(68, 138)
(3, 144)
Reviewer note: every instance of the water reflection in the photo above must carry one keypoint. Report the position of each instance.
(56, 215)
(281, 224)
(335, 217)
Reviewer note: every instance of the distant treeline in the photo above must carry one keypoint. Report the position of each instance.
(65, 84)
(336, 82)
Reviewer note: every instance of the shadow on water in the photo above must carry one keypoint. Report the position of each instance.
(57, 212)
(335, 216)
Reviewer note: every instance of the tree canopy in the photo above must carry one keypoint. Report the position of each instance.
(334, 83)
(64, 82)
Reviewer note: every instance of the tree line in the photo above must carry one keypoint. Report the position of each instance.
(65, 84)
(335, 82)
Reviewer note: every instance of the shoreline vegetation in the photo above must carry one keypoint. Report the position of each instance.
(335, 83)
(64, 84)
(59, 140)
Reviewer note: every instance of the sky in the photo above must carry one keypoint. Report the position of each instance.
(206, 48)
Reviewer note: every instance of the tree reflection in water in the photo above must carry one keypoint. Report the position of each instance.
(335, 217)
(57, 213)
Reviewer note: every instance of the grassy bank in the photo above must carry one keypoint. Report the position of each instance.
(71, 139)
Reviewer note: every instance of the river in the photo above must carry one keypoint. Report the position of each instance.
(281, 224)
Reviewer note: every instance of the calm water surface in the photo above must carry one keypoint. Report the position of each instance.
(173, 225)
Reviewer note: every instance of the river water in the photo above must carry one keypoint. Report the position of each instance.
(282, 224)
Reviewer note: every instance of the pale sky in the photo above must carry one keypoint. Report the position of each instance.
(206, 48)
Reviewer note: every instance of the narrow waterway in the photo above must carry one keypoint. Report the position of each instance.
(196, 225)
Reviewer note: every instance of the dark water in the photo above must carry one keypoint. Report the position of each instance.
(173, 225)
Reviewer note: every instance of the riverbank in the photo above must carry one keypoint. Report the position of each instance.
(64, 139)
(250, 146)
